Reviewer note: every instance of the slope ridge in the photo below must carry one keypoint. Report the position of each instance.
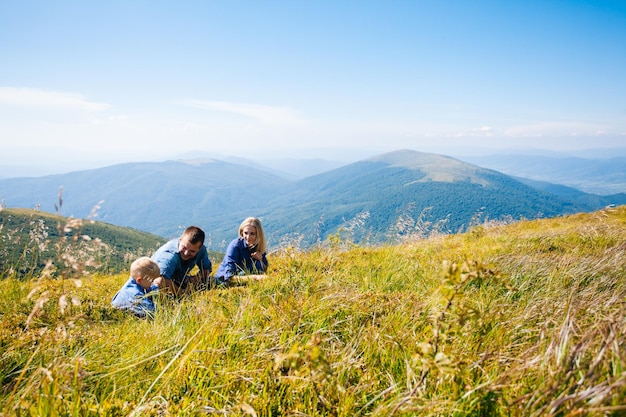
(436, 167)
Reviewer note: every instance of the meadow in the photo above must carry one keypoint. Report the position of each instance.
(519, 319)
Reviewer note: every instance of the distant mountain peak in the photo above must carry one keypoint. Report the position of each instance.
(438, 168)
(198, 161)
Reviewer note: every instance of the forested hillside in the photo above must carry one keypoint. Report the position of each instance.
(378, 200)
(406, 193)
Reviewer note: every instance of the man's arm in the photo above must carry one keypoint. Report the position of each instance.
(170, 287)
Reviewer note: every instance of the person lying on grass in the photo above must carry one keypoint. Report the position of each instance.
(178, 257)
(137, 293)
(245, 259)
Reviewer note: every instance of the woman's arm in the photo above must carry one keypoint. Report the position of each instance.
(260, 261)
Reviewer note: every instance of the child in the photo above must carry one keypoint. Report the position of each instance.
(245, 258)
(136, 295)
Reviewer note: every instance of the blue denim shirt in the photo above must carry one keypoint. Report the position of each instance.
(134, 298)
(238, 261)
(172, 265)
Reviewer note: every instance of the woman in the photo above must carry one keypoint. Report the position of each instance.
(245, 258)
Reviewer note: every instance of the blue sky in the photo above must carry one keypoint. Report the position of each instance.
(132, 80)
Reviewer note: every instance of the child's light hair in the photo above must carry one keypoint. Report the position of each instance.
(144, 267)
(260, 244)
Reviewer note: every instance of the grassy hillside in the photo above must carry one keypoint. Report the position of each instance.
(31, 238)
(526, 319)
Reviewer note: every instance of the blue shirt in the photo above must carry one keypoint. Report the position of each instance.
(238, 261)
(134, 298)
(172, 265)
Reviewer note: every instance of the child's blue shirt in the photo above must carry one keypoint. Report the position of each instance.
(134, 298)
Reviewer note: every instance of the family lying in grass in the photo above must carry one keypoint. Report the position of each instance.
(182, 266)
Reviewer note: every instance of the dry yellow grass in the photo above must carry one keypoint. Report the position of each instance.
(525, 319)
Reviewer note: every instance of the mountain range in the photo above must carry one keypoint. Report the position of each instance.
(604, 176)
(379, 199)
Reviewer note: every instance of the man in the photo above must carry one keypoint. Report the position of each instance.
(179, 257)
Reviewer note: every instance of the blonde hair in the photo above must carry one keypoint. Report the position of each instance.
(144, 267)
(260, 244)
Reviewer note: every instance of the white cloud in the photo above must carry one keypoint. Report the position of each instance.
(553, 129)
(33, 97)
(537, 130)
(485, 130)
(267, 115)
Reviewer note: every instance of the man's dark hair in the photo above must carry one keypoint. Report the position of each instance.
(195, 234)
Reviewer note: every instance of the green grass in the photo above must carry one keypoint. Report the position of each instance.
(29, 238)
(525, 319)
